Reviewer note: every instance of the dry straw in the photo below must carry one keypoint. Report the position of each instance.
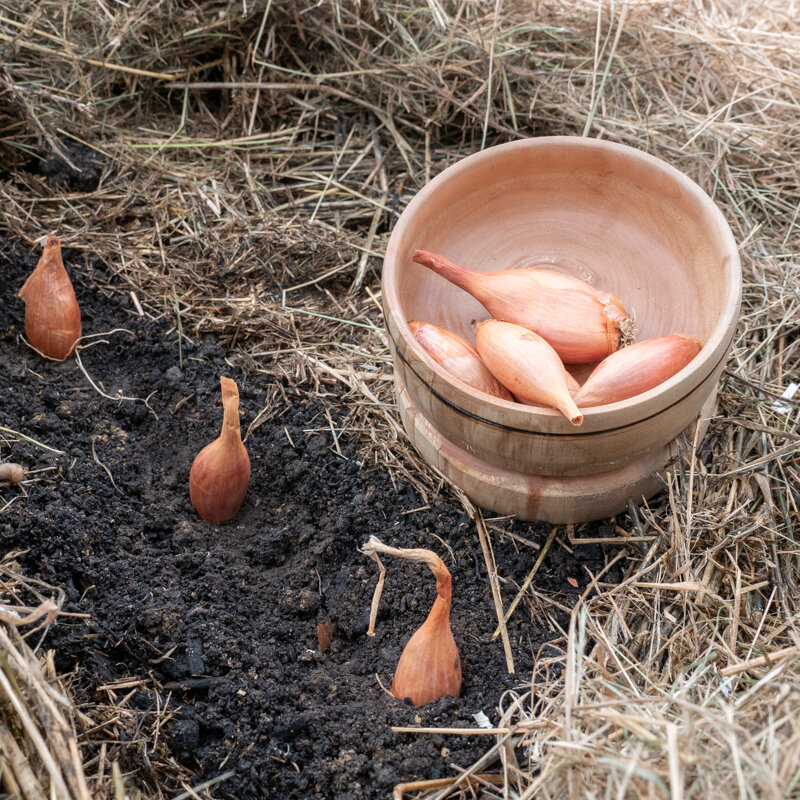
(53, 746)
(250, 161)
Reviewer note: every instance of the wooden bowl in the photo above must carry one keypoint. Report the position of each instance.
(620, 219)
(557, 499)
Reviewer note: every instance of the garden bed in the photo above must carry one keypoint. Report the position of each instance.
(224, 178)
(219, 623)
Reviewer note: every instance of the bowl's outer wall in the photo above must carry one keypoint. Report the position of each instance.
(560, 500)
(570, 454)
(614, 216)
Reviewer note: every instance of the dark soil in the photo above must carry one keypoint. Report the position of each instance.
(224, 618)
(76, 166)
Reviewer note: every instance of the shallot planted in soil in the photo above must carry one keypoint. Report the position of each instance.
(430, 666)
(526, 365)
(581, 323)
(458, 357)
(220, 473)
(636, 369)
(11, 472)
(52, 314)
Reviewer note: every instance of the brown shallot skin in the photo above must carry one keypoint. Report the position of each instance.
(526, 365)
(430, 666)
(52, 315)
(637, 368)
(458, 357)
(220, 473)
(581, 323)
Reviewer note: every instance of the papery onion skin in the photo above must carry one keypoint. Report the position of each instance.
(52, 314)
(458, 357)
(637, 368)
(430, 666)
(526, 365)
(220, 473)
(581, 323)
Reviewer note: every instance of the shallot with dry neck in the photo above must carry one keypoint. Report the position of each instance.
(52, 314)
(430, 666)
(221, 471)
(581, 323)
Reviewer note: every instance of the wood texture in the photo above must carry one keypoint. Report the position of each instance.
(616, 217)
(577, 452)
(559, 500)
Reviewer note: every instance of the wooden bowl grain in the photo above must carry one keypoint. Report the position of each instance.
(620, 219)
(559, 499)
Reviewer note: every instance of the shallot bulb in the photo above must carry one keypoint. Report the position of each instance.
(52, 315)
(458, 357)
(636, 369)
(11, 472)
(581, 323)
(572, 385)
(430, 666)
(221, 471)
(526, 365)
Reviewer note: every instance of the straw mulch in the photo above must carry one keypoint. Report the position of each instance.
(50, 746)
(252, 158)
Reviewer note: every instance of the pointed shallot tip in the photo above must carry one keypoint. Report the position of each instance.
(52, 241)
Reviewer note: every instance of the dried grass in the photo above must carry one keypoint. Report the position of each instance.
(253, 158)
(49, 745)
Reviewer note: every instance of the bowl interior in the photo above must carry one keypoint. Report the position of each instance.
(613, 216)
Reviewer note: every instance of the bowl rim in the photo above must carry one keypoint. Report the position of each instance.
(516, 416)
